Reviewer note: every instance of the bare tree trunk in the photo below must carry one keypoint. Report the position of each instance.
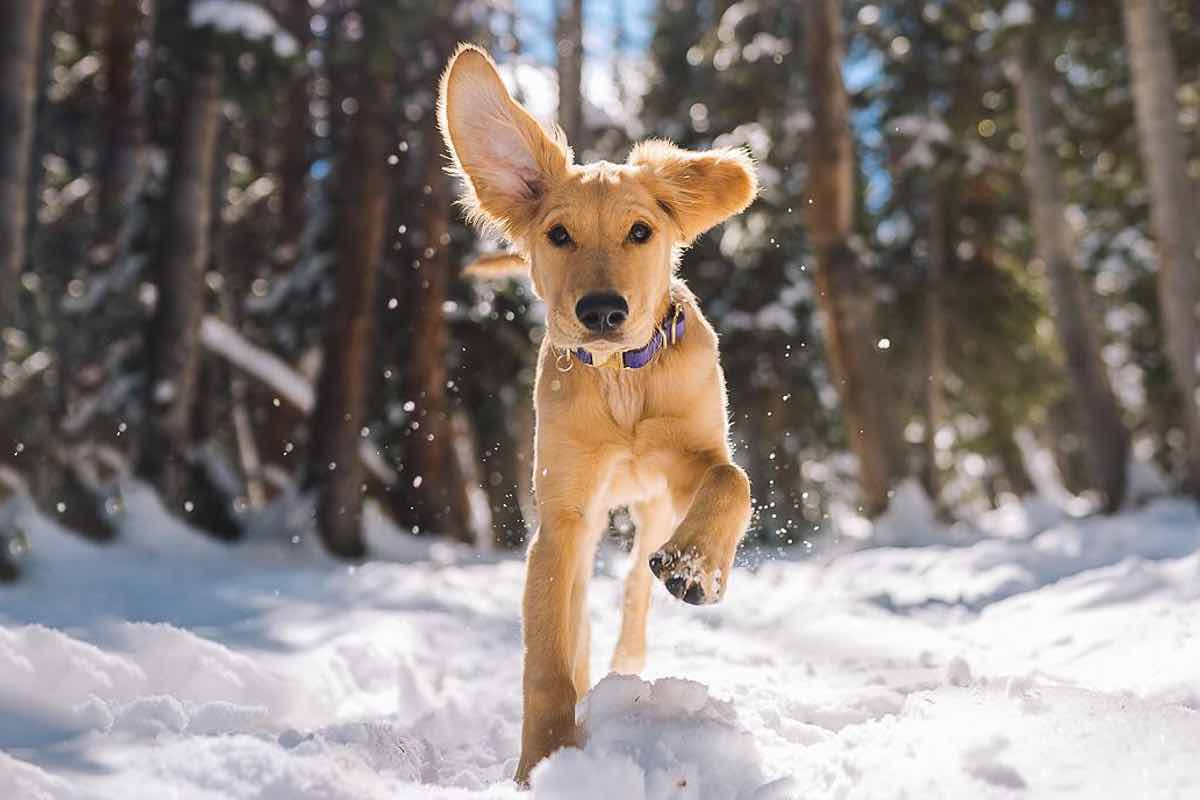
(568, 34)
(1003, 430)
(935, 323)
(1173, 211)
(620, 42)
(1103, 432)
(439, 497)
(293, 133)
(845, 293)
(335, 472)
(499, 426)
(510, 16)
(525, 419)
(123, 162)
(20, 35)
(174, 334)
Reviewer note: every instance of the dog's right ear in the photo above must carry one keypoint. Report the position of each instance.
(506, 158)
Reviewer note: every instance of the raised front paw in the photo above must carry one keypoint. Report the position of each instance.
(689, 574)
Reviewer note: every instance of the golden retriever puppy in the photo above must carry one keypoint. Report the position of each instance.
(630, 398)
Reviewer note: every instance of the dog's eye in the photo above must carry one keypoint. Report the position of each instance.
(558, 236)
(640, 233)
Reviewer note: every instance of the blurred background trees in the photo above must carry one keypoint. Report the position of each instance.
(230, 264)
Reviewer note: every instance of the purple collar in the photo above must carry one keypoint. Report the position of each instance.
(668, 333)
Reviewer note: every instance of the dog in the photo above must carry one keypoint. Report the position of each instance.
(630, 399)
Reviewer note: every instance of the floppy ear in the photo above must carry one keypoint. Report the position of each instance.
(506, 158)
(698, 190)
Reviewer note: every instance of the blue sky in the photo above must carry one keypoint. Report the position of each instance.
(535, 20)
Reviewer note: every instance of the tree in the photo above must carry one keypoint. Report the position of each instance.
(1101, 427)
(293, 134)
(935, 332)
(1172, 206)
(335, 473)
(173, 338)
(568, 37)
(438, 496)
(20, 37)
(123, 161)
(845, 292)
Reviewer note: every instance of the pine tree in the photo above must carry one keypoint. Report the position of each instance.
(1173, 208)
(335, 473)
(168, 457)
(844, 292)
(1103, 432)
(568, 35)
(20, 39)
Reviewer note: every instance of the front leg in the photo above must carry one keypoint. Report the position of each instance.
(655, 520)
(551, 641)
(696, 562)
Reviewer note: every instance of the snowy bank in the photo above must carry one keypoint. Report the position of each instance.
(1059, 663)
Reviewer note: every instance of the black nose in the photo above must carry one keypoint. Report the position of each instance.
(602, 311)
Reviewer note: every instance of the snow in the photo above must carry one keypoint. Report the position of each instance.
(245, 19)
(1028, 653)
(926, 134)
(224, 340)
(1017, 14)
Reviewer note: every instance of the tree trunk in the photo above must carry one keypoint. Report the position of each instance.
(123, 162)
(568, 33)
(845, 293)
(620, 43)
(20, 35)
(293, 135)
(174, 333)
(438, 495)
(1102, 431)
(335, 472)
(497, 422)
(1004, 436)
(935, 325)
(1172, 206)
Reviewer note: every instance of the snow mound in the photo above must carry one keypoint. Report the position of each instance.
(23, 780)
(666, 739)
(910, 520)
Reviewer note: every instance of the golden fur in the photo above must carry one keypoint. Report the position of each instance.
(656, 438)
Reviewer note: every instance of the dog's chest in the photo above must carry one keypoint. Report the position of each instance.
(634, 479)
(625, 398)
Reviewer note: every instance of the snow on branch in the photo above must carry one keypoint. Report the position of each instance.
(226, 342)
(245, 19)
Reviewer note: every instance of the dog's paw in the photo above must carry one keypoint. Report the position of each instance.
(688, 574)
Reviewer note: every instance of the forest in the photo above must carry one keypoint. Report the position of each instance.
(232, 270)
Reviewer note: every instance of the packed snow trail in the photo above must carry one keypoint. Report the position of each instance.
(1016, 663)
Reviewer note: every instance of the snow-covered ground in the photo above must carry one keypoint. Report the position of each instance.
(1012, 663)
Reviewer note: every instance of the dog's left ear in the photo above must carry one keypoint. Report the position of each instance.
(507, 158)
(697, 190)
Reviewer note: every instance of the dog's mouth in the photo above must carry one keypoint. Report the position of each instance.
(572, 337)
(613, 339)
(567, 335)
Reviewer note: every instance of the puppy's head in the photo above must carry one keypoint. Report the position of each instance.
(600, 240)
